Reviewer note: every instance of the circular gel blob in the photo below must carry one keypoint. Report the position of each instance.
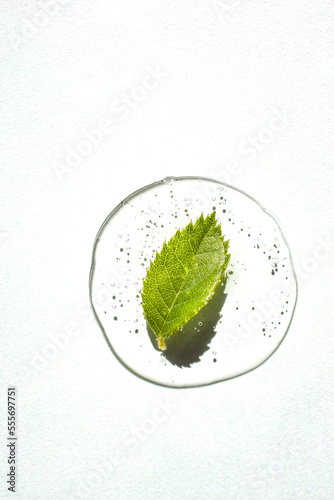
(241, 325)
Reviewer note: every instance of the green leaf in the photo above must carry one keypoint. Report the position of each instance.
(183, 276)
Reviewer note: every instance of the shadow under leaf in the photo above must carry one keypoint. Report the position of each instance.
(187, 346)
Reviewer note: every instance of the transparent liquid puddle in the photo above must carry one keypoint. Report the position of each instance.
(243, 323)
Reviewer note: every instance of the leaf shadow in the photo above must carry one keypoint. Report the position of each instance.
(187, 346)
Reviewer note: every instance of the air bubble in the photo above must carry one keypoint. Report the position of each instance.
(209, 348)
(169, 181)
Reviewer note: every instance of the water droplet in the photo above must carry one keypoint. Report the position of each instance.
(241, 293)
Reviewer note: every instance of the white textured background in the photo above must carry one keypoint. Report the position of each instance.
(88, 429)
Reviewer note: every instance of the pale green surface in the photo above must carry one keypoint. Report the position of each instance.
(184, 275)
(266, 435)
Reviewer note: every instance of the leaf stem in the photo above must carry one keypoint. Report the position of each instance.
(161, 343)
